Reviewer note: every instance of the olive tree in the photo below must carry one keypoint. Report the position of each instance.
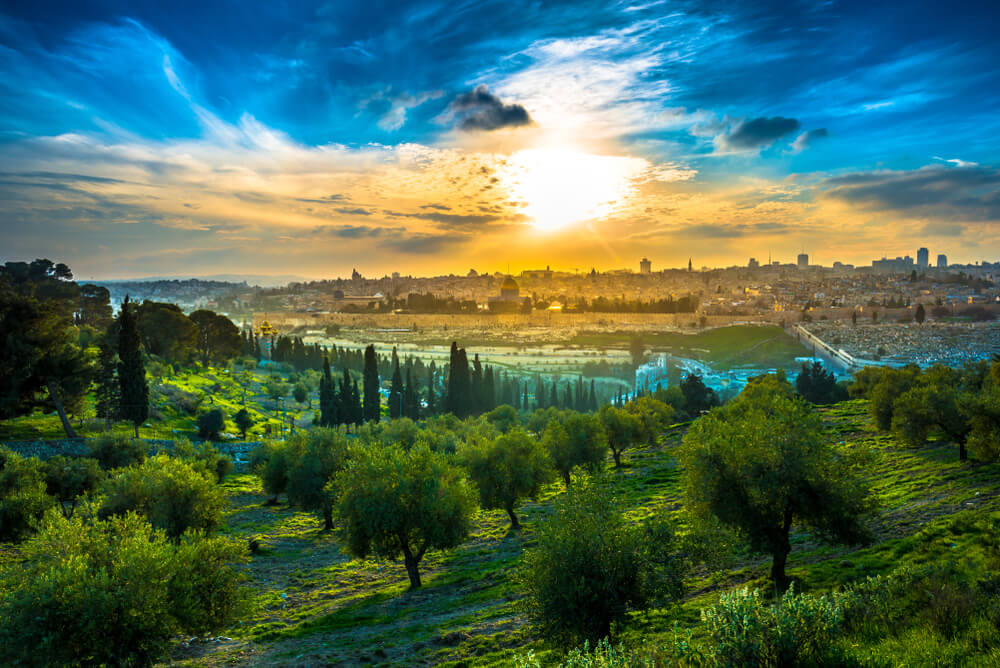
(313, 458)
(762, 465)
(507, 469)
(622, 428)
(170, 493)
(114, 592)
(69, 478)
(575, 439)
(394, 502)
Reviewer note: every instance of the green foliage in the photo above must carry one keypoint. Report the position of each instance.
(23, 497)
(116, 451)
(654, 417)
(892, 384)
(134, 392)
(761, 464)
(218, 338)
(113, 592)
(575, 440)
(507, 469)
(798, 630)
(590, 567)
(211, 423)
(818, 386)
(503, 418)
(69, 478)
(244, 421)
(166, 332)
(170, 493)
(623, 429)
(271, 461)
(314, 457)
(392, 502)
(205, 458)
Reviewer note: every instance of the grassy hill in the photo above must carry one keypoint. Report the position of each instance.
(315, 606)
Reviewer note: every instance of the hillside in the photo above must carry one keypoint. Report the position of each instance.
(315, 605)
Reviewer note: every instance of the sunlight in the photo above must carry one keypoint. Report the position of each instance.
(560, 187)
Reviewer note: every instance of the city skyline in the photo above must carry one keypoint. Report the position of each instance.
(434, 138)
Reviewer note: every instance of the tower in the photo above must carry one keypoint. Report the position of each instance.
(923, 258)
(803, 261)
(689, 264)
(645, 266)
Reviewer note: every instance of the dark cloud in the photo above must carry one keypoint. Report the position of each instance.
(329, 199)
(351, 231)
(806, 139)
(423, 244)
(758, 133)
(63, 177)
(448, 219)
(965, 193)
(437, 207)
(717, 231)
(347, 211)
(480, 109)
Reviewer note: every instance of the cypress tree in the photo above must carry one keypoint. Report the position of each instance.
(524, 399)
(450, 400)
(516, 393)
(134, 397)
(463, 388)
(396, 389)
(107, 391)
(327, 396)
(593, 396)
(478, 391)
(373, 401)
(489, 390)
(411, 402)
(431, 400)
(357, 410)
(553, 399)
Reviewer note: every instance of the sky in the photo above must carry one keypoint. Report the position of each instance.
(309, 139)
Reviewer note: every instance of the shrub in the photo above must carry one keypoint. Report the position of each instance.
(504, 418)
(211, 424)
(117, 451)
(23, 500)
(113, 592)
(315, 457)
(204, 457)
(243, 421)
(69, 478)
(270, 461)
(797, 630)
(170, 493)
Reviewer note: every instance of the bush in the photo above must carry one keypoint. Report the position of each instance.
(590, 567)
(23, 499)
(117, 451)
(69, 478)
(313, 458)
(171, 494)
(244, 421)
(211, 424)
(798, 630)
(204, 457)
(113, 592)
(270, 461)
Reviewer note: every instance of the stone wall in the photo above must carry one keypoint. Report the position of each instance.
(75, 447)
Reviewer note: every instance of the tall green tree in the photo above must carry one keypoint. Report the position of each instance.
(218, 338)
(761, 465)
(396, 389)
(372, 403)
(134, 392)
(166, 332)
(431, 398)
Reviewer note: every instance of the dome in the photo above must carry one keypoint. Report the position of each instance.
(509, 284)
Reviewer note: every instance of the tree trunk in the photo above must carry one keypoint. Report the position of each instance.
(514, 524)
(618, 457)
(54, 395)
(963, 452)
(780, 553)
(136, 425)
(566, 478)
(411, 568)
(327, 518)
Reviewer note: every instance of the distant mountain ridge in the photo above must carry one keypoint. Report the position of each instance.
(262, 280)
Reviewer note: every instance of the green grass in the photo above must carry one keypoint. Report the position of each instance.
(315, 605)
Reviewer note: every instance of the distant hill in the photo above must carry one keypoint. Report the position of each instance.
(262, 280)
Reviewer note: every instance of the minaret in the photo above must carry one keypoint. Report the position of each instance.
(689, 264)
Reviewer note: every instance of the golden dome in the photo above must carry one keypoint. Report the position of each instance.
(509, 284)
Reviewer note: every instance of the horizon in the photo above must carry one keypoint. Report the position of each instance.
(432, 139)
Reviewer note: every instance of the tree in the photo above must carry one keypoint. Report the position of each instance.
(38, 354)
(623, 429)
(107, 390)
(892, 384)
(920, 315)
(271, 461)
(936, 399)
(817, 385)
(393, 502)
(507, 469)
(114, 592)
(171, 494)
(69, 478)
(372, 407)
(218, 338)
(698, 397)
(116, 451)
(23, 497)
(396, 390)
(503, 418)
(134, 391)
(165, 331)
(300, 392)
(313, 459)
(591, 567)
(654, 417)
(243, 421)
(459, 399)
(575, 440)
(211, 424)
(762, 465)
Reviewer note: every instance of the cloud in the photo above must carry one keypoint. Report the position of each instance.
(424, 244)
(480, 109)
(758, 133)
(965, 193)
(957, 162)
(719, 231)
(391, 107)
(806, 139)
(448, 219)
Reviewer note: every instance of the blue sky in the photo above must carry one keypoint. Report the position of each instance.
(153, 138)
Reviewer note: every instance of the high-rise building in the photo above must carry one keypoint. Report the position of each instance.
(803, 261)
(923, 258)
(942, 262)
(645, 266)
(753, 264)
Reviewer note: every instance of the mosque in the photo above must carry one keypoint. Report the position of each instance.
(510, 299)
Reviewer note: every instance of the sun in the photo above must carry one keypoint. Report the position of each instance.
(560, 187)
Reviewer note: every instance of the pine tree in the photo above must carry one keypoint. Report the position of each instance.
(396, 389)
(134, 398)
(373, 401)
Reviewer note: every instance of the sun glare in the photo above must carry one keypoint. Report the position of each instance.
(560, 187)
